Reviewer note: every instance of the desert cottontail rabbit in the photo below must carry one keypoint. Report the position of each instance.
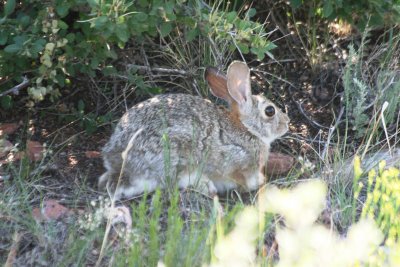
(190, 141)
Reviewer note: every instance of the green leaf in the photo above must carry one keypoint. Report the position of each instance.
(3, 37)
(231, 16)
(93, 3)
(193, 33)
(62, 25)
(165, 29)
(60, 79)
(244, 48)
(141, 16)
(328, 8)
(169, 7)
(37, 46)
(70, 37)
(9, 7)
(154, 90)
(251, 12)
(6, 102)
(122, 32)
(99, 22)
(81, 105)
(243, 25)
(144, 3)
(62, 9)
(109, 70)
(296, 3)
(270, 46)
(25, 21)
(94, 63)
(258, 52)
(90, 125)
(13, 48)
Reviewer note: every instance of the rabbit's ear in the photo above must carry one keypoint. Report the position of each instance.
(217, 82)
(239, 85)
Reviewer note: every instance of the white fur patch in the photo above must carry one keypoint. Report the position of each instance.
(140, 186)
(254, 180)
(225, 185)
(103, 178)
(203, 183)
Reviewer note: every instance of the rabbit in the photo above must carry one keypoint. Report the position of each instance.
(188, 140)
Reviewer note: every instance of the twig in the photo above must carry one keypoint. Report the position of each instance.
(331, 130)
(15, 89)
(313, 123)
(275, 76)
(162, 70)
(113, 197)
(13, 250)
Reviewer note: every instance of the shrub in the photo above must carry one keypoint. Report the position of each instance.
(360, 13)
(371, 82)
(54, 41)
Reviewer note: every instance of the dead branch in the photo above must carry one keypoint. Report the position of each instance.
(161, 70)
(313, 123)
(12, 254)
(15, 89)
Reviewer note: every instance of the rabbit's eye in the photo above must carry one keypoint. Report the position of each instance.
(269, 111)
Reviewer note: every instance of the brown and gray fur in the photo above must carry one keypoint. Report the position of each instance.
(188, 140)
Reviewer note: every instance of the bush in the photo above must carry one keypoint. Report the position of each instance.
(372, 83)
(54, 41)
(360, 13)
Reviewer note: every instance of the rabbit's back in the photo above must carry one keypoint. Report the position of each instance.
(164, 119)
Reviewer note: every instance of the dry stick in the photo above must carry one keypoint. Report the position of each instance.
(108, 226)
(274, 76)
(375, 126)
(148, 69)
(384, 107)
(15, 89)
(13, 250)
(331, 130)
(214, 50)
(260, 194)
(162, 70)
(314, 123)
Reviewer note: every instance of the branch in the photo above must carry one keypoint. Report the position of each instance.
(162, 70)
(313, 123)
(15, 89)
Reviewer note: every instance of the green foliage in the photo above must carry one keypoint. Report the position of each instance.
(52, 41)
(371, 82)
(89, 121)
(247, 36)
(360, 13)
(165, 236)
(355, 94)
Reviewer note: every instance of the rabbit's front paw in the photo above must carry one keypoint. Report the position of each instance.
(202, 184)
(254, 180)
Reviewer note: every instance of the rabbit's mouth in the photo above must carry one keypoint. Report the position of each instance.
(283, 126)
